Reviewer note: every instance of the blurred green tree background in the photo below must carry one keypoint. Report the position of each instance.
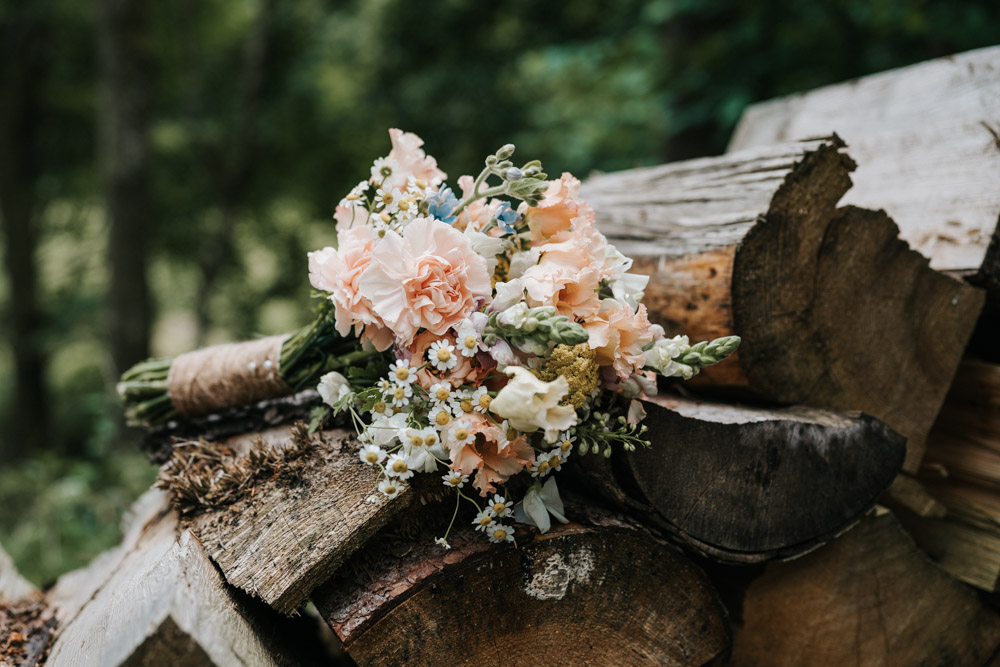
(165, 167)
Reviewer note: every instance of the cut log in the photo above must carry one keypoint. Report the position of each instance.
(26, 621)
(162, 602)
(598, 591)
(834, 310)
(743, 484)
(868, 598)
(289, 534)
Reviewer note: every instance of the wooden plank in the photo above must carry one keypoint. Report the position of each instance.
(927, 142)
(291, 533)
(834, 310)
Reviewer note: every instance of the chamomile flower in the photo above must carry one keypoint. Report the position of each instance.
(467, 340)
(461, 434)
(465, 404)
(406, 209)
(499, 506)
(390, 487)
(442, 356)
(384, 385)
(483, 519)
(442, 542)
(382, 225)
(388, 199)
(413, 438)
(400, 395)
(380, 409)
(556, 460)
(565, 445)
(498, 532)
(398, 466)
(441, 416)
(508, 434)
(401, 373)
(430, 436)
(481, 399)
(441, 394)
(372, 454)
(415, 185)
(382, 169)
(455, 479)
(541, 466)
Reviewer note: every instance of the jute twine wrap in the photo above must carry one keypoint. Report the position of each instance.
(215, 378)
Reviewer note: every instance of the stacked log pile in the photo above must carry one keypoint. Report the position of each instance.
(749, 534)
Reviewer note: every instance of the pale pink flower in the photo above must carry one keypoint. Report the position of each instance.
(411, 160)
(483, 455)
(555, 214)
(618, 335)
(348, 217)
(338, 271)
(462, 373)
(427, 278)
(477, 214)
(568, 275)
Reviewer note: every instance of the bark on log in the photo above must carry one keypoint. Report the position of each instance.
(929, 155)
(744, 484)
(286, 539)
(161, 602)
(598, 591)
(868, 598)
(834, 310)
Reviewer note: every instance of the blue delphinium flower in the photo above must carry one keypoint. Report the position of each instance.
(507, 218)
(441, 205)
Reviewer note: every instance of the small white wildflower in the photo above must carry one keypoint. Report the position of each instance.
(441, 394)
(401, 373)
(398, 466)
(390, 487)
(461, 434)
(441, 416)
(400, 395)
(465, 401)
(332, 387)
(481, 399)
(498, 532)
(443, 542)
(413, 438)
(382, 169)
(499, 506)
(384, 385)
(455, 479)
(483, 519)
(541, 467)
(565, 444)
(372, 454)
(468, 341)
(441, 355)
(388, 199)
(556, 460)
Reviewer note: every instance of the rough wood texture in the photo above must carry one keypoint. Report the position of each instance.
(597, 591)
(868, 598)
(287, 539)
(834, 310)
(743, 484)
(926, 141)
(163, 602)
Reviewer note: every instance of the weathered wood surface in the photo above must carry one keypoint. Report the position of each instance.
(834, 310)
(290, 535)
(598, 591)
(744, 484)
(871, 597)
(927, 142)
(158, 600)
(26, 620)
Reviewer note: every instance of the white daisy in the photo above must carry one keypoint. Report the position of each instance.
(413, 438)
(498, 532)
(499, 506)
(390, 487)
(442, 355)
(384, 385)
(461, 434)
(565, 445)
(556, 459)
(541, 467)
(441, 416)
(464, 398)
(483, 519)
(401, 373)
(406, 209)
(481, 399)
(508, 434)
(388, 199)
(372, 454)
(400, 395)
(431, 437)
(443, 542)
(467, 340)
(398, 466)
(441, 394)
(382, 169)
(455, 479)
(381, 409)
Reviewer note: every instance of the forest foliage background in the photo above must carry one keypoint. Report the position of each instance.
(165, 167)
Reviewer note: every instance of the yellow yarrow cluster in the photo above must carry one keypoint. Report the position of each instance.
(578, 365)
(500, 273)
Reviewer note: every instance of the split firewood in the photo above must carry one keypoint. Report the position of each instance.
(871, 597)
(744, 484)
(834, 310)
(158, 600)
(927, 142)
(280, 510)
(597, 591)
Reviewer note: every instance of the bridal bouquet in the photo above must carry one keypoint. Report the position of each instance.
(514, 333)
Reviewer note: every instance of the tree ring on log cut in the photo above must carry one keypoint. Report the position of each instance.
(747, 485)
(600, 592)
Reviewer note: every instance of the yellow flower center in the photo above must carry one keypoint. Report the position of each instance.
(417, 441)
(485, 400)
(387, 198)
(390, 489)
(543, 467)
(402, 373)
(443, 354)
(385, 217)
(455, 480)
(381, 233)
(555, 462)
(404, 205)
(512, 434)
(469, 342)
(371, 457)
(485, 520)
(443, 418)
(499, 508)
(500, 534)
(461, 433)
(352, 197)
(442, 394)
(421, 183)
(466, 405)
(399, 393)
(399, 466)
(379, 407)
(565, 445)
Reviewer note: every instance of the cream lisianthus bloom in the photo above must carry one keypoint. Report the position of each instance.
(332, 387)
(530, 404)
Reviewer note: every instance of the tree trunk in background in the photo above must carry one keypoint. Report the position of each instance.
(124, 169)
(21, 53)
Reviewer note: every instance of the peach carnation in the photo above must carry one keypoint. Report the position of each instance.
(568, 275)
(411, 160)
(618, 335)
(338, 272)
(555, 214)
(427, 278)
(483, 455)
(463, 372)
